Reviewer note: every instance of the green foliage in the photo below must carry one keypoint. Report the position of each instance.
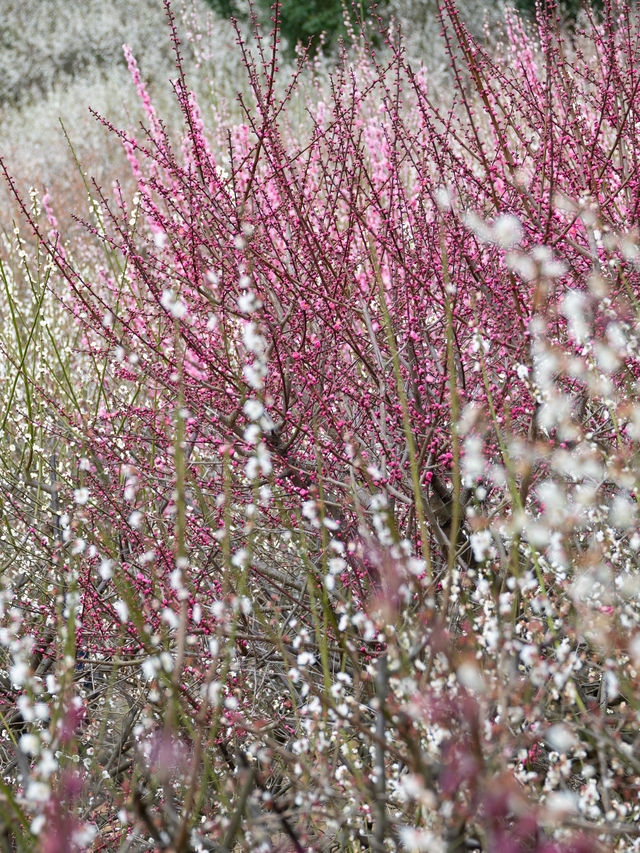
(310, 22)
(226, 8)
(306, 22)
(321, 22)
(567, 9)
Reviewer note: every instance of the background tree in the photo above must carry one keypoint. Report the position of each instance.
(566, 9)
(321, 23)
(313, 23)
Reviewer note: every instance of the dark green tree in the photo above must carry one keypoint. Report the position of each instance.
(229, 8)
(567, 10)
(309, 22)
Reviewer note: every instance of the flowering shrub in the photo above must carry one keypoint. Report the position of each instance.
(320, 531)
(60, 57)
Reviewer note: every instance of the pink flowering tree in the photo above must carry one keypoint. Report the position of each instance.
(323, 533)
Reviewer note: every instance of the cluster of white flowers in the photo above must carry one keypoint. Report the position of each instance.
(505, 231)
(254, 373)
